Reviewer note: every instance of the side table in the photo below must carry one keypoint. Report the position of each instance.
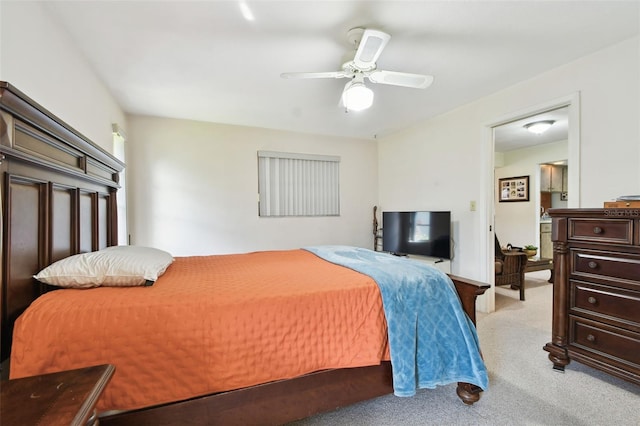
(56, 399)
(540, 264)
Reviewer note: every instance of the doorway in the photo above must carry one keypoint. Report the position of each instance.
(543, 159)
(571, 106)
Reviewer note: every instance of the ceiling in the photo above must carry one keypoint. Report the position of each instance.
(513, 136)
(202, 60)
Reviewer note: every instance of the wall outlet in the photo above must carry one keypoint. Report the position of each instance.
(472, 206)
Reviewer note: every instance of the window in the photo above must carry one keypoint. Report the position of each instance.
(298, 184)
(121, 195)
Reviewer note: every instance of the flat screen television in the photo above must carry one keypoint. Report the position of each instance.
(424, 233)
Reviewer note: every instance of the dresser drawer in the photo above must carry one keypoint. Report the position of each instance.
(594, 263)
(618, 231)
(610, 342)
(606, 302)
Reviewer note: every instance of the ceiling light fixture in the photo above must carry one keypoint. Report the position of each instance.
(356, 96)
(539, 127)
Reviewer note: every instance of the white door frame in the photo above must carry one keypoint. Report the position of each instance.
(486, 303)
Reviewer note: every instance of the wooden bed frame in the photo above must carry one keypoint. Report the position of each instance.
(58, 196)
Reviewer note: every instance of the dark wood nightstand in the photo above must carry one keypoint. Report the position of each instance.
(65, 398)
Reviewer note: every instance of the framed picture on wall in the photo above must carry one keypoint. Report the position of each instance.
(513, 189)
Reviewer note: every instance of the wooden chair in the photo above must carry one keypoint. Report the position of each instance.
(510, 266)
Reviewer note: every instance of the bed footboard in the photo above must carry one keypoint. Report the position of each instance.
(468, 290)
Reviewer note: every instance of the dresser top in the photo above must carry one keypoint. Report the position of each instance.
(613, 213)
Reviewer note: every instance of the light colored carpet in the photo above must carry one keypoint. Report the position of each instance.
(523, 390)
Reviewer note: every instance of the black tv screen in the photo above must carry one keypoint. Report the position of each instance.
(421, 233)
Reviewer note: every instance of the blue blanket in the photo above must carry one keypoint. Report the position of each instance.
(431, 339)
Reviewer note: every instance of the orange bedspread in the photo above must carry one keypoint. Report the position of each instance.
(209, 324)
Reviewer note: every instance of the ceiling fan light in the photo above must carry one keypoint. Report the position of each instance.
(356, 96)
(539, 127)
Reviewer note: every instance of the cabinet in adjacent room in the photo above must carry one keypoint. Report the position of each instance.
(553, 178)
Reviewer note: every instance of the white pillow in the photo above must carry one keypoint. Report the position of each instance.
(116, 266)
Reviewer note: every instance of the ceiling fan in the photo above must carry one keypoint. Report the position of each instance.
(369, 44)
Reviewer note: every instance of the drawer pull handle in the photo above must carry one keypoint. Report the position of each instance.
(597, 230)
(592, 300)
(591, 338)
(592, 264)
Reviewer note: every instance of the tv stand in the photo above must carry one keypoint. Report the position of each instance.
(442, 264)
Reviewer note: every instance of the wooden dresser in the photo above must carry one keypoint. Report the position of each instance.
(596, 293)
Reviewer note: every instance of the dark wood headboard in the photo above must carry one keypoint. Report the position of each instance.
(58, 195)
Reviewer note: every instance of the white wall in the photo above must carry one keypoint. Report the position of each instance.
(37, 58)
(441, 163)
(195, 187)
(518, 222)
(434, 165)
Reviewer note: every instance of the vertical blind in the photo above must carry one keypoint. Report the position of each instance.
(298, 184)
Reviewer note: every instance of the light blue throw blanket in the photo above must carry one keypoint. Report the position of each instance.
(432, 341)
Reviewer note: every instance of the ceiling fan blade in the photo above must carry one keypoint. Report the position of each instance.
(417, 81)
(369, 49)
(328, 74)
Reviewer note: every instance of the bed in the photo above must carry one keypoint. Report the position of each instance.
(58, 200)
